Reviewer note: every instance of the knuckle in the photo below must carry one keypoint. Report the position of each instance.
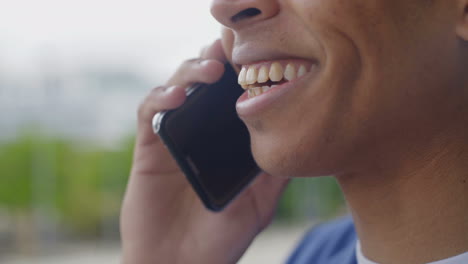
(188, 64)
(185, 69)
(192, 61)
(157, 90)
(145, 104)
(142, 109)
(211, 78)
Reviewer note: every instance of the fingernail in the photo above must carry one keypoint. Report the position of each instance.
(170, 89)
(204, 62)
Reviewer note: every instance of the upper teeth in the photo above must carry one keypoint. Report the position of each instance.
(275, 72)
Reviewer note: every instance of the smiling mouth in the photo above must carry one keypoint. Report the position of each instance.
(261, 77)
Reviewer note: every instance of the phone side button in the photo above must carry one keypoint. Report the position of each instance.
(189, 90)
(157, 121)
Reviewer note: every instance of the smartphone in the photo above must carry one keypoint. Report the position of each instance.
(209, 142)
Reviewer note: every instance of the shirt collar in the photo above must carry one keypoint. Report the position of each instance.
(463, 258)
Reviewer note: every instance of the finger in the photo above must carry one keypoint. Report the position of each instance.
(160, 98)
(214, 52)
(227, 40)
(202, 51)
(197, 71)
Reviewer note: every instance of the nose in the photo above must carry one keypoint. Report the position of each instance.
(238, 13)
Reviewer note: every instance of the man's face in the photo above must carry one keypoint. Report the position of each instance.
(378, 78)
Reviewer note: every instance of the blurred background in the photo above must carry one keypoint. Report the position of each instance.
(72, 74)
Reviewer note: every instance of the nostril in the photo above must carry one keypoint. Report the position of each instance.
(244, 14)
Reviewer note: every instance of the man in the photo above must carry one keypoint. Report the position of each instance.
(382, 105)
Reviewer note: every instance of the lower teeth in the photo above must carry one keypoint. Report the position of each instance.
(255, 91)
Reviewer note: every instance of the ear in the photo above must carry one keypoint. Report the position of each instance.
(462, 27)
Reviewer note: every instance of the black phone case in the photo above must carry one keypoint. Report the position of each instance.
(160, 123)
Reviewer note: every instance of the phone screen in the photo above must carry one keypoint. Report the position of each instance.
(210, 143)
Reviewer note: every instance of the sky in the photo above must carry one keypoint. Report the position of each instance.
(152, 37)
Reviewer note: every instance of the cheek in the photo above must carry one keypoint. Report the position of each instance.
(314, 129)
(318, 128)
(366, 91)
(311, 133)
(361, 22)
(335, 13)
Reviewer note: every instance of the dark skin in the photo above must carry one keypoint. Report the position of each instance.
(176, 229)
(386, 115)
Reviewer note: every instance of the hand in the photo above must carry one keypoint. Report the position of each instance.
(162, 219)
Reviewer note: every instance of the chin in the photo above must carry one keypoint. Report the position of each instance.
(293, 159)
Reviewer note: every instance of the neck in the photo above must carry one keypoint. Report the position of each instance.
(414, 210)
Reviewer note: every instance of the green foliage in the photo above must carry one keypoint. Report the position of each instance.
(84, 184)
(16, 172)
(311, 198)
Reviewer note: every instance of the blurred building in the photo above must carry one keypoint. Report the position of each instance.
(91, 103)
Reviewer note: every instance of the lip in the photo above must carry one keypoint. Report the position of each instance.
(283, 62)
(248, 53)
(246, 106)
